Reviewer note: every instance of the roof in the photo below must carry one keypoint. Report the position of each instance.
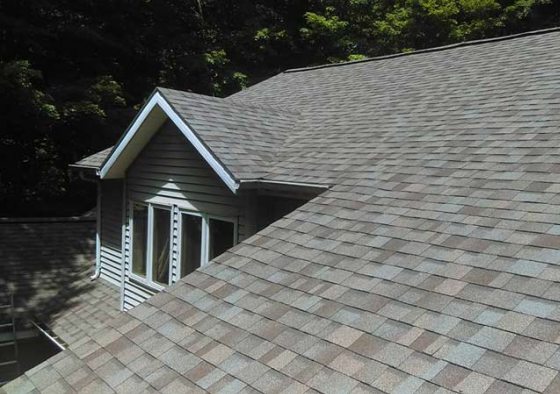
(223, 124)
(432, 264)
(93, 161)
(46, 264)
(219, 125)
(342, 98)
(355, 112)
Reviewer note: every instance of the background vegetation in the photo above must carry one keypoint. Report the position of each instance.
(73, 72)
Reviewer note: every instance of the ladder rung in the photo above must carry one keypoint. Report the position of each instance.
(6, 325)
(8, 306)
(5, 363)
(9, 343)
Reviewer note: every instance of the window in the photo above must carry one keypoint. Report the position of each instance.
(191, 243)
(203, 238)
(139, 238)
(151, 242)
(200, 238)
(220, 237)
(160, 248)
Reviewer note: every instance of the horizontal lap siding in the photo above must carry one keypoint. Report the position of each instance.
(169, 171)
(111, 228)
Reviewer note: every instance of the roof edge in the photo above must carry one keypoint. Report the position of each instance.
(83, 166)
(199, 144)
(428, 50)
(158, 99)
(238, 103)
(262, 181)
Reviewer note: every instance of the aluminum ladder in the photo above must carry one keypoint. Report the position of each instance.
(9, 347)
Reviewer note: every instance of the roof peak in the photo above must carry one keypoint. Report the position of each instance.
(428, 50)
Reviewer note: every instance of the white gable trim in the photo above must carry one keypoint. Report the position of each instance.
(158, 100)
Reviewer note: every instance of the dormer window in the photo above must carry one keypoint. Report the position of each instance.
(204, 237)
(199, 237)
(151, 243)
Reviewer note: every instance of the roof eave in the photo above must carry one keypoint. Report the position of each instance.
(158, 100)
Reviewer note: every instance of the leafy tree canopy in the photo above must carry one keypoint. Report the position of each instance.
(73, 72)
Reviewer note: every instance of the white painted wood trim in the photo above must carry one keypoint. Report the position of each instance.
(205, 243)
(205, 236)
(98, 233)
(229, 219)
(159, 100)
(49, 336)
(286, 183)
(232, 220)
(180, 239)
(131, 273)
(151, 243)
(124, 224)
(148, 280)
(146, 283)
(150, 240)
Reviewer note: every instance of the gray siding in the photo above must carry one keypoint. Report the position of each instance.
(111, 230)
(169, 171)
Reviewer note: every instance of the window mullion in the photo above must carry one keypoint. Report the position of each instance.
(131, 237)
(172, 260)
(150, 237)
(204, 241)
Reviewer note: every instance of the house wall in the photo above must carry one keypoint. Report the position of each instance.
(170, 172)
(111, 230)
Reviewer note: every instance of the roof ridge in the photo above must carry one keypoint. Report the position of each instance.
(265, 107)
(429, 50)
(234, 101)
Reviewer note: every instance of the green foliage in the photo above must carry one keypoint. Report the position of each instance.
(73, 72)
(106, 91)
(29, 172)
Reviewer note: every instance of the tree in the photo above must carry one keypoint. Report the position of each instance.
(74, 72)
(29, 171)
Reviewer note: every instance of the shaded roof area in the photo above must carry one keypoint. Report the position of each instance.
(93, 161)
(432, 264)
(46, 264)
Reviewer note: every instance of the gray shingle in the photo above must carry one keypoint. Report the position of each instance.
(429, 264)
(531, 376)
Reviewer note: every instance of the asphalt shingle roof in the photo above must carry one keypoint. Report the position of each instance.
(93, 161)
(432, 264)
(244, 137)
(46, 264)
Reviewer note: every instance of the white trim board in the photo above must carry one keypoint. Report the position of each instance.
(265, 182)
(144, 126)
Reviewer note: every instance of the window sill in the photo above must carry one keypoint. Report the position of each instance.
(144, 282)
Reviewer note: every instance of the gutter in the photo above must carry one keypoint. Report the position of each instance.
(253, 182)
(97, 271)
(286, 186)
(48, 335)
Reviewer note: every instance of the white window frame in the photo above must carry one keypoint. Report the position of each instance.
(180, 240)
(131, 238)
(149, 280)
(223, 219)
(205, 236)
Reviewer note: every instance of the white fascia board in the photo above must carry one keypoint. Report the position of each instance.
(117, 150)
(287, 183)
(198, 144)
(159, 100)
